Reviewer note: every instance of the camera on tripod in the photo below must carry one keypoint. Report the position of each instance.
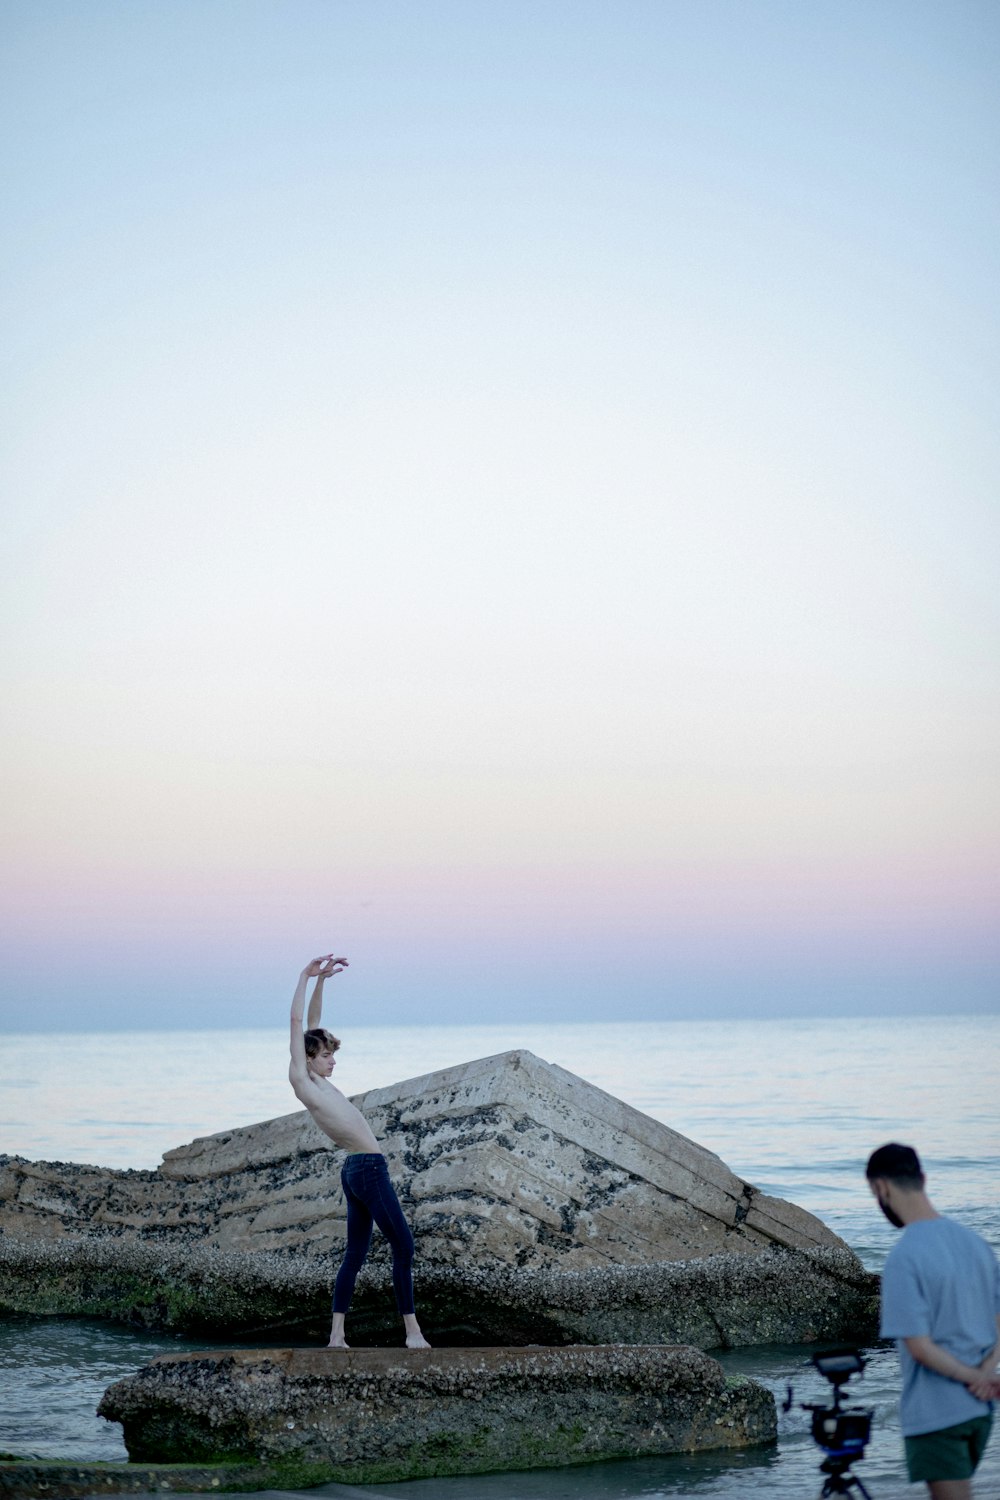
(841, 1431)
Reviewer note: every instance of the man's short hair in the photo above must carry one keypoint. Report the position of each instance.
(320, 1040)
(896, 1163)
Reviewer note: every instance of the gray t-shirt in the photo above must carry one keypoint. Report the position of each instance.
(941, 1281)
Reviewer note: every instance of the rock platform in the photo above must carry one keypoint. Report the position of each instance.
(314, 1416)
(720, 1301)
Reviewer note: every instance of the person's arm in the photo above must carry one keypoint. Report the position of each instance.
(330, 967)
(298, 1071)
(979, 1379)
(989, 1367)
(989, 1361)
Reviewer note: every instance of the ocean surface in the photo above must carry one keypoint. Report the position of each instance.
(794, 1106)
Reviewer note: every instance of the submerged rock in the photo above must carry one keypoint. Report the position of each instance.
(55, 1479)
(362, 1416)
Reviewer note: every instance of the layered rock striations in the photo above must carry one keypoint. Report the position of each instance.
(508, 1160)
(544, 1211)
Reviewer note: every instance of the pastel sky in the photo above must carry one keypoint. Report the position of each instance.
(505, 490)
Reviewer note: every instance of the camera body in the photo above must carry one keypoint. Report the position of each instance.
(842, 1430)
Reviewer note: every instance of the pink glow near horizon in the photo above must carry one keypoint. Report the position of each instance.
(502, 495)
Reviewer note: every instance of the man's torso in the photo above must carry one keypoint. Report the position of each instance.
(940, 1281)
(338, 1118)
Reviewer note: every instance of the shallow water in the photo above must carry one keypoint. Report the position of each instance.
(793, 1106)
(71, 1361)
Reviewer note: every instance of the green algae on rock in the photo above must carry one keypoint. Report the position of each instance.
(719, 1301)
(364, 1416)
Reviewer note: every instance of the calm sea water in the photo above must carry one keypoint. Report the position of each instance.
(793, 1106)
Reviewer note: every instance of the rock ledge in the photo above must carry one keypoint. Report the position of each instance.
(313, 1416)
(719, 1301)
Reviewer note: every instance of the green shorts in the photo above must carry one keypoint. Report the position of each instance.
(951, 1453)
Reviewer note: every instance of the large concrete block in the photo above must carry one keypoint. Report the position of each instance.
(317, 1416)
(504, 1164)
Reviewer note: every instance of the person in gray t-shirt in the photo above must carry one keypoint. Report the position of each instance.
(941, 1303)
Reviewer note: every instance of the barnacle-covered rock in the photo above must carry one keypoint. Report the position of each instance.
(313, 1416)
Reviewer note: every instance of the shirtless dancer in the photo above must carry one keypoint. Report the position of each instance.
(365, 1177)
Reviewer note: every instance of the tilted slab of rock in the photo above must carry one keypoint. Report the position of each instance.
(314, 1416)
(721, 1301)
(507, 1161)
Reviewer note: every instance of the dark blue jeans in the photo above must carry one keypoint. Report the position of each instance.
(371, 1197)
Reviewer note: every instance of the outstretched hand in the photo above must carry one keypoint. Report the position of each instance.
(325, 967)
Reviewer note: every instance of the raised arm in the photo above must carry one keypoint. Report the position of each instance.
(330, 967)
(320, 969)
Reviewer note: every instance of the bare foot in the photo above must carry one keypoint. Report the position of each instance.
(338, 1344)
(416, 1341)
